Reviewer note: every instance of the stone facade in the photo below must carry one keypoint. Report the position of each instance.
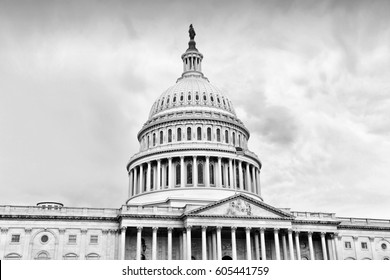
(194, 193)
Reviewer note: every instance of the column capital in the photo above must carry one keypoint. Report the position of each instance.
(194, 157)
(248, 228)
(83, 231)
(4, 230)
(169, 158)
(276, 229)
(355, 238)
(262, 230)
(323, 234)
(61, 230)
(105, 231)
(188, 228)
(182, 157)
(207, 157)
(155, 228)
(123, 228)
(170, 229)
(159, 160)
(219, 158)
(233, 228)
(296, 232)
(28, 230)
(204, 227)
(149, 163)
(139, 228)
(371, 239)
(218, 227)
(309, 233)
(290, 230)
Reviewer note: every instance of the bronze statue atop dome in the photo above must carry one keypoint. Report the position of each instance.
(192, 33)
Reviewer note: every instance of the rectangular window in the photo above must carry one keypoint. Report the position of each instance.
(93, 239)
(364, 246)
(15, 238)
(72, 239)
(348, 245)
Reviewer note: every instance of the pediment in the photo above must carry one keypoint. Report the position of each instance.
(240, 206)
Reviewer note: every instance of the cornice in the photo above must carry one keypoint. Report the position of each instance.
(225, 217)
(316, 222)
(53, 217)
(362, 227)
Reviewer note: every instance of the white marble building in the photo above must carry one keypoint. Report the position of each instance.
(194, 193)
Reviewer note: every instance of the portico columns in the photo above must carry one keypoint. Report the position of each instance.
(372, 239)
(219, 243)
(219, 175)
(158, 184)
(170, 243)
(194, 172)
(248, 243)
(130, 194)
(148, 173)
(248, 178)
(135, 189)
(170, 173)
(154, 243)
(240, 174)
(284, 244)
(182, 178)
(122, 248)
(257, 245)
(189, 253)
(231, 174)
(276, 239)
(207, 169)
(139, 236)
(141, 179)
(290, 244)
(324, 254)
(262, 244)
(298, 246)
(204, 243)
(234, 246)
(311, 249)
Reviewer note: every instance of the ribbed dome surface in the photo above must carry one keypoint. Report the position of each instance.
(190, 92)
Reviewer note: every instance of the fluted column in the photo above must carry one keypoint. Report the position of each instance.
(311, 248)
(122, 244)
(135, 189)
(26, 245)
(324, 254)
(219, 175)
(214, 244)
(290, 244)
(207, 169)
(240, 175)
(204, 243)
(158, 179)
(297, 245)
(148, 174)
(141, 178)
(154, 243)
(234, 246)
(276, 239)
(189, 253)
(170, 173)
(254, 185)
(130, 194)
(182, 177)
(194, 172)
(139, 238)
(248, 178)
(231, 183)
(284, 244)
(333, 247)
(219, 243)
(170, 243)
(248, 243)
(257, 245)
(262, 244)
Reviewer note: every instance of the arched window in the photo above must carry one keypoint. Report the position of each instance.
(13, 256)
(166, 176)
(223, 175)
(208, 134)
(169, 135)
(92, 256)
(197, 97)
(154, 139)
(234, 138)
(178, 136)
(147, 142)
(237, 178)
(151, 178)
(226, 137)
(188, 133)
(161, 137)
(199, 133)
(212, 177)
(204, 97)
(200, 174)
(189, 174)
(174, 99)
(211, 98)
(43, 256)
(181, 97)
(178, 175)
(218, 135)
(189, 97)
(71, 256)
(239, 140)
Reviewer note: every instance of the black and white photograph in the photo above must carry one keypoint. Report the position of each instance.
(195, 130)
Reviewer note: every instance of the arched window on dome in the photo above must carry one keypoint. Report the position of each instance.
(189, 133)
(219, 101)
(189, 96)
(204, 97)
(211, 98)
(147, 142)
(178, 175)
(178, 136)
(226, 137)
(161, 137)
(208, 134)
(154, 139)
(199, 133)
(223, 175)
(181, 97)
(162, 103)
(234, 138)
(189, 174)
(212, 175)
(237, 178)
(168, 101)
(169, 135)
(218, 135)
(174, 99)
(200, 174)
(239, 140)
(197, 97)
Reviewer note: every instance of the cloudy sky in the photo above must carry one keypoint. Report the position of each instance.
(310, 79)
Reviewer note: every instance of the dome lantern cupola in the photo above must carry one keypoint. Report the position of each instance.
(192, 58)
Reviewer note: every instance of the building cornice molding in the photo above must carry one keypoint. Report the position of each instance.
(53, 217)
(363, 227)
(316, 222)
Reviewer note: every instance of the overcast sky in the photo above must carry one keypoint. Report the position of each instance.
(310, 80)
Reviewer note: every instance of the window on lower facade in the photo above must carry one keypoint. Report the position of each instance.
(94, 239)
(364, 246)
(72, 239)
(348, 245)
(15, 238)
(71, 256)
(43, 256)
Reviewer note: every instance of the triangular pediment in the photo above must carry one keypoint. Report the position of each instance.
(240, 205)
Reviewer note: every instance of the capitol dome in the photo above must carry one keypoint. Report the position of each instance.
(193, 147)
